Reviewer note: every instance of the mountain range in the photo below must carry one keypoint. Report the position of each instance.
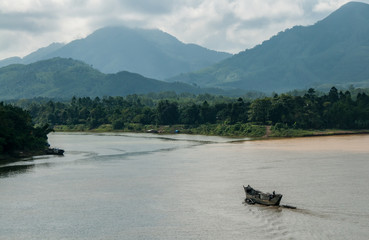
(334, 51)
(149, 52)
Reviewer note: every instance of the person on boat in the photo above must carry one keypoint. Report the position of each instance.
(272, 196)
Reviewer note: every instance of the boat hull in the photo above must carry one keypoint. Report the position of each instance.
(254, 196)
(54, 151)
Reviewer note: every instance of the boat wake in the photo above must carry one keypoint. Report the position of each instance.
(266, 221)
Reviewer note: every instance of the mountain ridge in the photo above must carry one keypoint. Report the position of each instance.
(333, 51)
(64, 78)
(149, 52)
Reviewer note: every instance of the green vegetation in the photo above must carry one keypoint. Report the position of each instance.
(207, 114)
(18, 136)
(65, 78)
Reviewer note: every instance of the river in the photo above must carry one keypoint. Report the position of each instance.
(147, 186)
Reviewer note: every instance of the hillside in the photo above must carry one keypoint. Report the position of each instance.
(334, 51)
(64, 78)
(151, 53)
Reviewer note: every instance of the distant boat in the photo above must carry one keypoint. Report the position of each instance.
(255, 196)
(54, 151)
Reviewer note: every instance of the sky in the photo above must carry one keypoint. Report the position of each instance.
(222, 25)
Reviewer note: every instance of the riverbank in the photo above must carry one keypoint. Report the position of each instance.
(235, 130)
(290, 133)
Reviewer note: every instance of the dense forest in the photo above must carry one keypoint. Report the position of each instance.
(18, 136)
(220, 115)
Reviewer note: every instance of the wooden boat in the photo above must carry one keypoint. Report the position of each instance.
(54, 151)
(255, 196)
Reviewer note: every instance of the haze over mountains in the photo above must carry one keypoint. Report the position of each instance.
(334, 51)
(151, 53)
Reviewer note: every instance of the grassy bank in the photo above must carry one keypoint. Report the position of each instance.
(236, 130)
(245, 130)
(281, 131)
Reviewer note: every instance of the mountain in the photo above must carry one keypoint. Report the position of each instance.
(64, 78)
(41, 53)
(38, 55)
(334, 51)
(151, 53)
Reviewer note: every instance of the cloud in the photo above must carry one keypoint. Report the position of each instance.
(22, 22)
(327, 6)
(230, 25)
(227, 25)
(151, 7)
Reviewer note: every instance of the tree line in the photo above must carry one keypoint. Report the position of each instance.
(26, 130)
(335, 109)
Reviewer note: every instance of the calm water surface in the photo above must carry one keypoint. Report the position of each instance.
(142, 186)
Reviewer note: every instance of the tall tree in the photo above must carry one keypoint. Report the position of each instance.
(167, 112)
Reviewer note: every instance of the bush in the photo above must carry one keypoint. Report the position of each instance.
(118, 124)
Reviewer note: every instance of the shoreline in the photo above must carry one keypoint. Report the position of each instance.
(313, 133)
(268, 131)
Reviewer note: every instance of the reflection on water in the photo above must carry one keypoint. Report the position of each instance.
(143, 186)
(20, 166)
(9, 171)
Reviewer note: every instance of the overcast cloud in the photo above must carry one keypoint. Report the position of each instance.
(223, 25)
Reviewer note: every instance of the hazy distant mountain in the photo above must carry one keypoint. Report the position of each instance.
(42, 53)
(38, 55)
(151, 53)
(64, 78)
(334, 51)
(11, 60)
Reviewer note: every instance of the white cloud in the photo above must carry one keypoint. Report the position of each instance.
(329, 5)
(253, 9)
(228, 25)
